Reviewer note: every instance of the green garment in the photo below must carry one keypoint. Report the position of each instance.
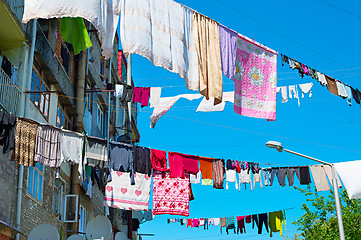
(73, 30)
(275, 221)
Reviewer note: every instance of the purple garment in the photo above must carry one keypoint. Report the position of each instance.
(228, 45)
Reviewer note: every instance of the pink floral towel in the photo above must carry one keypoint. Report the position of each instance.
(170, 195)
(256, 80)
(119, 193)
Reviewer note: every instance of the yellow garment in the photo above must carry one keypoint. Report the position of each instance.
(206, 38)
(207, 182)
(276, 221)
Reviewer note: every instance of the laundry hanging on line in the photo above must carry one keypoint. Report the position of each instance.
(272, 221)
(293, 91)
(334, 86)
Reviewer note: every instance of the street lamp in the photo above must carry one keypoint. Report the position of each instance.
(278, 146)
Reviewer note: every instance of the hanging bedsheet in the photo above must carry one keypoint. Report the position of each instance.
(255, 80)
(162, 32)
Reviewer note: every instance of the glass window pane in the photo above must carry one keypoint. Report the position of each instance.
(35, 185)
(40, 191)
(38, 82)
(30, 179)
(37, 99)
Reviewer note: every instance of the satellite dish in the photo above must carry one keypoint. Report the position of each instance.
(99, 228)
(44, 231)
(76, 237)
(120, 236)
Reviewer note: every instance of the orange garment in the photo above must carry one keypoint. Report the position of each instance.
(206, 167)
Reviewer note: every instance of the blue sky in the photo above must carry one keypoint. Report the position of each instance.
(322, 35)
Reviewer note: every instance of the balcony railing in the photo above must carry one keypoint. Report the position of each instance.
(10, 93)
(51, 64)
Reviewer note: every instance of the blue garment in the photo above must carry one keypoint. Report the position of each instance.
(349, 95)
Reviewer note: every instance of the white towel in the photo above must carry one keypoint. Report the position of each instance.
(155, 93)
(341, 89)
(166, 103)
(322, 79)
(208, 105)
(104, 15)
(305, 88)
(162, 32)
(351, 178)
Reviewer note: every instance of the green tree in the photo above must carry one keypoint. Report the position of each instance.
(320, 220)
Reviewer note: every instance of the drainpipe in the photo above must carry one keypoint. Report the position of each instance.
(129, 82)
(23, 103)
(78, 124)
(80, 89)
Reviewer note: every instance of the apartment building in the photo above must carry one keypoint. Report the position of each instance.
(69, 91)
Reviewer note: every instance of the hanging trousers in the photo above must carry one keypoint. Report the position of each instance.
(262, 218)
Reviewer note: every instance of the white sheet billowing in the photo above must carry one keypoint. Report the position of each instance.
(165, 103)
(208, 105)
(350, 174)
(103, 14)
(162, 32)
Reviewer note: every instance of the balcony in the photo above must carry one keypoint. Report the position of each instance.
(17, 7)
(51, 65)
(10, 94)
(11, 33)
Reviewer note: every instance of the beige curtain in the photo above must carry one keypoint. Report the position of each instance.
(206, 38)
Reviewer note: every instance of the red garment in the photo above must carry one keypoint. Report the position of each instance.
(190, 163)
(180, 163)
(248, 218)
(238, 168)
(189, 223)
(240, 222)
(159, 160)
(141, 95)
(175, 165)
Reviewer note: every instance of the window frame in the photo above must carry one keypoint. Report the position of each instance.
(65, 120)
(35, 170)
(59, 215)
(82, 220)
(65, 220)
(100, 114)
(38, 84)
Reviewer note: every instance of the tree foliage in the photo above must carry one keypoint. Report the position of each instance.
(320, 220)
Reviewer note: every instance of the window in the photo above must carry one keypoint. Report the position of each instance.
(35, 181)
(41, 100)
(63, 119)
(71, 208)
(100, 117)
(82, 220)
(88, 98)
(59, 198)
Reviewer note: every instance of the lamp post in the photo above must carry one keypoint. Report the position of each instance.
(278, 146)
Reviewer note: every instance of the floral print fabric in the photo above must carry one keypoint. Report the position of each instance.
(170, 195)
(256, 80)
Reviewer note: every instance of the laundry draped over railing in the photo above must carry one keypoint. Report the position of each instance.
(125, 170)
(272, 221)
